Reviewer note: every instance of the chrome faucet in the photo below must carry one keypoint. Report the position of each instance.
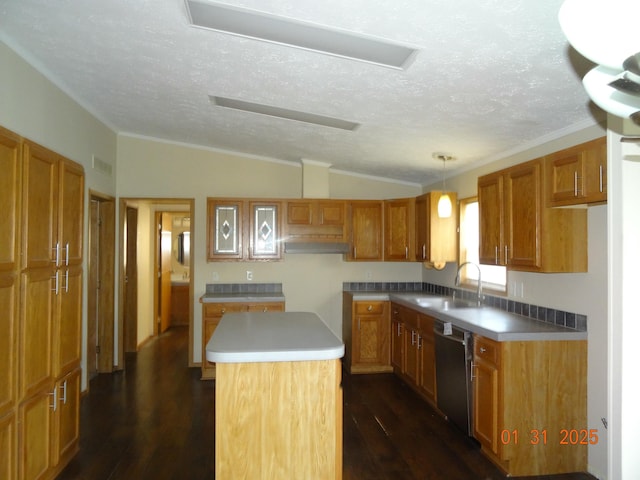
(457, 280)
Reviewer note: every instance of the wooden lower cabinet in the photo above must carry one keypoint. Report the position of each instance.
(427, 359)
(35, 430)
(67, 417)
(179, 305)
(413, 350)
(8, 446)
(280, 420)
(530, 408)
(366, 329)
(212, 314)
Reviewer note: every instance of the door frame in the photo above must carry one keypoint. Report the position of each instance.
(157, 204)
(102, 277)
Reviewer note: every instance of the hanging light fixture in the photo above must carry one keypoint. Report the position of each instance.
(444, 202)
(606, 32)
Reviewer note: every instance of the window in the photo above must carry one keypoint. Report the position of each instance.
(494, 277)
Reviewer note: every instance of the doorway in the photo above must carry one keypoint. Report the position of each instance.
(100, 284)
(144, 307)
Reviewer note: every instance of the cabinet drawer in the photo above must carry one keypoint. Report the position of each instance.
(486, 349)
(219, 309)
(266, 307)
(369, 308)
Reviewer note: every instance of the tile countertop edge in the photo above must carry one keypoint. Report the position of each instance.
(539, 331)
(241, 297)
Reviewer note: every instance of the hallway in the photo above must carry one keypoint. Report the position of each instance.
(155, 421)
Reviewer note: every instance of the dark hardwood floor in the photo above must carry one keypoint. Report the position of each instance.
(155, 421)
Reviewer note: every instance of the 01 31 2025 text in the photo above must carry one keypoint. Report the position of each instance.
(566, 436)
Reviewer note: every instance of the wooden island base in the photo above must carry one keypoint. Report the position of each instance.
(279, 420)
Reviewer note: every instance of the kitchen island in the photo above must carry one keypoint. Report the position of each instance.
(278, 400)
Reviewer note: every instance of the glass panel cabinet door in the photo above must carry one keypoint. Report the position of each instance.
(265, 231)
(225, 230)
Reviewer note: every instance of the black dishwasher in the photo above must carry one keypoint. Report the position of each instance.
(454, 355)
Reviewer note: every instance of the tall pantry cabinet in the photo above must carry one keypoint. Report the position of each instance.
(39, 421)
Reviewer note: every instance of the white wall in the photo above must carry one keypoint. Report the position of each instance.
(584, 293)
(33, 107)
(148, 168)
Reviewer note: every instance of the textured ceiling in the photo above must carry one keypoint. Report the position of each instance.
(491, 77)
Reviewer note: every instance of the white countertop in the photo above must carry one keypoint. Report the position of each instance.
(272, 337)
(486, 321)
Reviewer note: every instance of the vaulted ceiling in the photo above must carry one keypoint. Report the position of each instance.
(490, 77)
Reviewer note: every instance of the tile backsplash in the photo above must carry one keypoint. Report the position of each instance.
(572, 320)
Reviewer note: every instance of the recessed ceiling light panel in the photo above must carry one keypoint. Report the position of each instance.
(296, 33)
(283, 113)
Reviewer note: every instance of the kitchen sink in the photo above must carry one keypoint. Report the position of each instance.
(444, 303)
(439, 303)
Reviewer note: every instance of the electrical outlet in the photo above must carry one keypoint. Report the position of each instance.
(249, 275)
(216, 276)
(369, 275)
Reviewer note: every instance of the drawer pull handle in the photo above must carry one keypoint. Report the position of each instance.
(369, 308)
(483, 350)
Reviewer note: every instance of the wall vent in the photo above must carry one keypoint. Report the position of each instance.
(101, 166)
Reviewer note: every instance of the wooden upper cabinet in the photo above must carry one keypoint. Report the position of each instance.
(41, 247)
(577, 175)
(518, 231)
(10, 164)
(491, 211)
(225, 229)
(436, 238)
(243, 229)
(71, 206)
(316, 220)
(523, 190)
(264, 230)
(366, 221)
(399, 230)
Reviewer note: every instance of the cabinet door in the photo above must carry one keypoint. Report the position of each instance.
(67, 425)
(399, 229)
(491, 212)
(427, 360)
(8, 338)
(523, 219)
(485, 412)
(10, 164)
(422, 245)
(486, 393)
(299, 212)
(397, 346)
(39, 203)
(35, 429)
(209, 326)
(69, 307)
(264, 226)
(225, 230)
(366, 231)
(36, 329)
(8, 446)
(331, 213)
(70, 212)
(596, 171)
(370, 334)
(565, 176)
(412, 360)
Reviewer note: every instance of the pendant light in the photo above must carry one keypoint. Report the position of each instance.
(444, 202)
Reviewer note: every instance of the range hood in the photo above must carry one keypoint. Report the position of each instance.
(316, 247)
